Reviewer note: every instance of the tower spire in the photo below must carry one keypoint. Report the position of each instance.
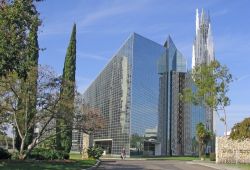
(197, 21)
(203, 51)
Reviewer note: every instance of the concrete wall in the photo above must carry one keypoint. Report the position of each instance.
(231, 151)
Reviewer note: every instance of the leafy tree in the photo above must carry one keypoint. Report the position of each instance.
(30, 83)
(19, 22)
(17, 19)
(241, 131)
(47, 104)
(203, 137)
(33, 60)
(212, 84)
(5, 140)
(67, 93)
(89, 119)
(136, 140)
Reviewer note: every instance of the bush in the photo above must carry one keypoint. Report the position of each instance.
(14, 156)
(95, 152)
(48, 154)
(4, 154)
(241, 131)
(212, 157)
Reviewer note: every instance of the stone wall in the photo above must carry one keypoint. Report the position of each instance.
(85, 146)
(231, 151)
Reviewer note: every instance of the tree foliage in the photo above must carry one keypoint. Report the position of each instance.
(87, 119)
(212, 82)
(211, 87)
(95, 152)
(67, 94)
(17, 19)
(203, 137)
(47, 99)
(30, 82)
(241, 131)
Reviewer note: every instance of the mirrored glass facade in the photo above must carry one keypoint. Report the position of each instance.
(138, 95)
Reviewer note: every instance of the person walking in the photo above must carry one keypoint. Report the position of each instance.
(123, 153)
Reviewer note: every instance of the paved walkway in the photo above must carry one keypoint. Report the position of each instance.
(150, 165)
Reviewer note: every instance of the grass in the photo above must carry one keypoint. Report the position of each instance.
(179, 158)
(75, 163)
(75, 156)
(240, 166)
(46, 165)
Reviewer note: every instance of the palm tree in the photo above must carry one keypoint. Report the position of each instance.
(203, 137)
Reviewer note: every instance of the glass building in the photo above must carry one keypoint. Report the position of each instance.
(138, 95)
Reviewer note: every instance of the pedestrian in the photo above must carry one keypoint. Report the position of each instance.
(123, 153)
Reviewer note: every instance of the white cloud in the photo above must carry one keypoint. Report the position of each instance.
(243, 77)
(221, 12)
(82, 55)
(110, 10)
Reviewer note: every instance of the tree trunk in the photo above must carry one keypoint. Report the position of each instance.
(201, 150)
(6, 142)
(13, 141)
(21, 151)
(225, 121)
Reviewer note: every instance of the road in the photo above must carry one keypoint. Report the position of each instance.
(149, 165)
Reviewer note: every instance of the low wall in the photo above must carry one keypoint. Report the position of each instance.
(85, 146)
(231, 151)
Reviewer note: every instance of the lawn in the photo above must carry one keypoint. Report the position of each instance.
(75, 156)
(73, 164)
(179, 158)
(240, 166)
(46, 165)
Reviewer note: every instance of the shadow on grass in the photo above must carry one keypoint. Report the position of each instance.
(46, 165)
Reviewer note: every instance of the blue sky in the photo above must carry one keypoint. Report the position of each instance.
(103, 25)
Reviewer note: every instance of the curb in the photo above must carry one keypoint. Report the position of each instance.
(98, 162)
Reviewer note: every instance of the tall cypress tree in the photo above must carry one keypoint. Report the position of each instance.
(33, 76)
(67, 94)
(29, 84)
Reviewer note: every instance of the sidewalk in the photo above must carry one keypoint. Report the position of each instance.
(212, 165)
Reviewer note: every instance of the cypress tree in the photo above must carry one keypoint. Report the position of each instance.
(29, 85)
(67, 93)
(33, 60)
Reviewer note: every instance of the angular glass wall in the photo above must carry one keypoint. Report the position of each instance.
(110, 94)
(126, 93)
(138, 95)
(171, 70)
(145, 96)
(194, 114)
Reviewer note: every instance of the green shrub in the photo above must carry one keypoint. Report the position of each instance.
(4, 154)
(48, 154)
(95, 152)
(212, 157)
(14, 156)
